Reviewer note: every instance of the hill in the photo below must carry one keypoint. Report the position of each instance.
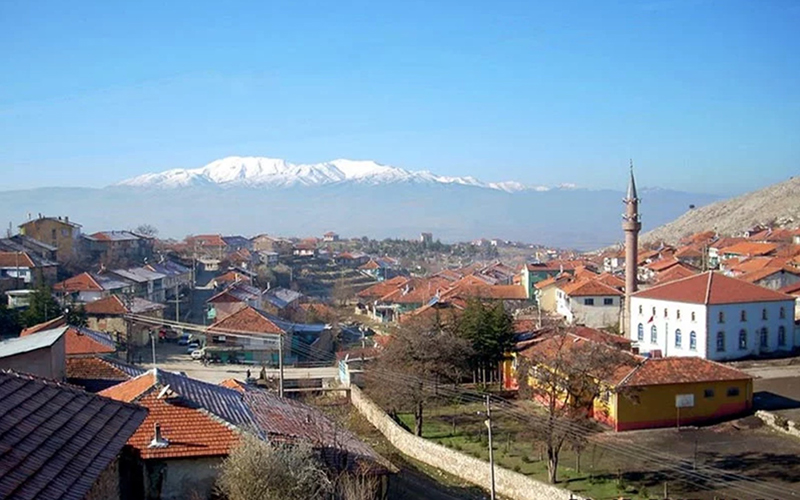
(777, 205)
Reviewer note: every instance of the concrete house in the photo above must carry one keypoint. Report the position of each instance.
(22, 270)
(41, 354)
(712, 316)
(589, 302)
(54, 231)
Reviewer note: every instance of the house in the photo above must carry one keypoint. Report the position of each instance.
(56, 232)
(242, 258)
(176, 276)
(22, 270)
(236, 243)
(281, 301)
(21, 243)
(41, 354)
(676, 272)
(794, 291)
(209, 247)
(88, 287)
(266, 243)
(61, 442)
(712, 316)
(746, 249)
(232, 299)
(330, 237)
(773, 278)
(192, 426)
(589, 302)
(540, 271)
(638, 392)
(146, 283)
(118, 246)
(305, 249)
(108, 315)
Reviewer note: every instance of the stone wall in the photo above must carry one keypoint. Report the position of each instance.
(779, 423)
(509, 484)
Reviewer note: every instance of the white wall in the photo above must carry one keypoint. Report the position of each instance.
(706, 325)
(598, 315)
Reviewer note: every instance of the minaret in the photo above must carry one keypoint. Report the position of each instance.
(631, 224)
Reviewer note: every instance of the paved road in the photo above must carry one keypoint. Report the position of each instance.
(768, 372)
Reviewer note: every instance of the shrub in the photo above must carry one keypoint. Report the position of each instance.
(517, 468)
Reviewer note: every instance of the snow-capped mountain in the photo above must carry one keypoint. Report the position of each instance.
(237, 171)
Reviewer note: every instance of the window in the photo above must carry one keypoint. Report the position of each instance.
(708, 393)
(64, 232)
(640, 332)
(53, 234)
(693, 316)
(692, 341)
(666, 313)
(733, 392)
(722, 316)
(720, 341)
(764, 338)
(764, 314)
(678, 338)
(781, 335)
(742, 339)
(608, 301)
(783, 313)
(641, 310)
(653, 335)
(743, 315)
(654, 312)
(678, 314)
(588, 302)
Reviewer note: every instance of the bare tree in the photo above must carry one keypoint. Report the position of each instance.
(419, 357)
(257, 469)
(146, 230)
(566, 373)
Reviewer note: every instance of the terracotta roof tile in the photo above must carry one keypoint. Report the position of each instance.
(97, 368)
(791, 289)
(674, 273)
(132, 389)
(247, 319)
(750, 248)
(682, 370)
(711, 288)
(383, 288)
(107, 305)
(585, 288)
(16, 259)
(663, 264)
(83, 282)
(754, 276)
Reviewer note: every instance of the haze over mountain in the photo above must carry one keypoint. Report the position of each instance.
(248, 195)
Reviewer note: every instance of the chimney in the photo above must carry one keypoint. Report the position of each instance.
(66, 218)
(158, 440)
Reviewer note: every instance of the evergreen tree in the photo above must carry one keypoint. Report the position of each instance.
(43, 307)
(490, 330)
(9, 321)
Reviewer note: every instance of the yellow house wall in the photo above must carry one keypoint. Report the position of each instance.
(655, 405)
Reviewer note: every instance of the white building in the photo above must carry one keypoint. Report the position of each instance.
(589, 302)
(712, 316)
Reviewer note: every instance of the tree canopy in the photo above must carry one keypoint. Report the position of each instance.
(490, 330)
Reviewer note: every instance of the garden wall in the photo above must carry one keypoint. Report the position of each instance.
(509, 484)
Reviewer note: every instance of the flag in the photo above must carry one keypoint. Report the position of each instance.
(651, 319)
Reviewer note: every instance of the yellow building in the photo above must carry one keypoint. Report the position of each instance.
(54, 231)
(644, 393)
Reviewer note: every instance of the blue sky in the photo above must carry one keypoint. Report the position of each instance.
(702, 94)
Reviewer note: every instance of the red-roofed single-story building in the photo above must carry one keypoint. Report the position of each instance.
(712, 316)
(589, 302)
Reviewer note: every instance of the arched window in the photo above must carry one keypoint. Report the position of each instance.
(742, 339)
(720, 341)
(783, 313)
(764, 313)
(692, 341)
(653, 335)
(743, 315)
(781, 335)
(722, 316)
(678, 338)
(640, 332)
(764, 338)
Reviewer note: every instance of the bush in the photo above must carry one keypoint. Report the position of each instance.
(517, 468)
(526, 459)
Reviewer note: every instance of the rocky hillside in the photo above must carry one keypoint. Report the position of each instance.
(778, 204)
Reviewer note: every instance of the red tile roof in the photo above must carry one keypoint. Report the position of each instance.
(108, 305)
(94, 367)
(711, 288)
(663, 264)
(759, 275)
(231, 277)
(246, 320)
(587, 288)
(83, 282)
(232, 383)
(383, 288)
(210, 240)
(682, 370)
(16, 259)
(78, 341)
(129, 391)
(674, 273)
(750, 248)
(47, 325)
(791, 289)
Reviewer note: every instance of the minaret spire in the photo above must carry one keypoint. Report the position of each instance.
(631, 225)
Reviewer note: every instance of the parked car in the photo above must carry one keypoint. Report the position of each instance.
(184, 339)
(198, 354)
(193, 346)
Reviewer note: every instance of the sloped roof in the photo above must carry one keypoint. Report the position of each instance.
(282, 297)
(139, 274)
(587, 288)
(47, 325)
(663, 264)
(113, 236)
(754, 276)
(32, 342)
(57, 440)
(16, 259)
(750, 248)
(79, 340)
(114, 305)
(249, 320)
(83, 282)
(101, 368)
(791, 289)
(382, 288)
(711, 288)
(674, 273)
(682, 370)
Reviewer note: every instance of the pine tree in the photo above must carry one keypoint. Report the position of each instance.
(43, 307)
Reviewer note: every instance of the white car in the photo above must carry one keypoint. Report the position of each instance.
(193, 346)
(198, 354)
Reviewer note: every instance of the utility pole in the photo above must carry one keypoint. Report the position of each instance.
(488, 423)
(177, 303)
(153, 343)
(280, 364)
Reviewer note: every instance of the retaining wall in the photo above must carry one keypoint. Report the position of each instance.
(509, 484)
